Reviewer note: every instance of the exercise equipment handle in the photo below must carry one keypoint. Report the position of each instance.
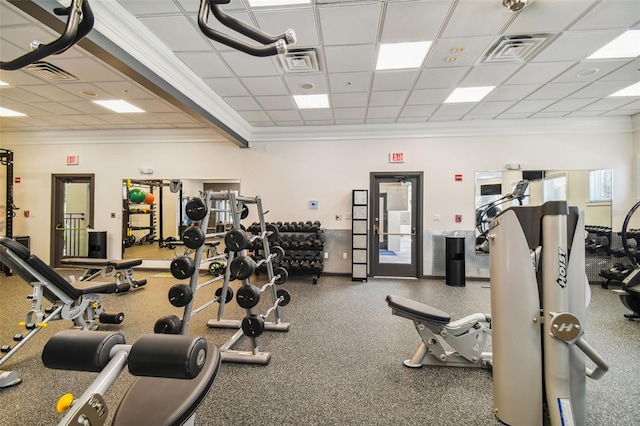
(79, 24)
(601, 365)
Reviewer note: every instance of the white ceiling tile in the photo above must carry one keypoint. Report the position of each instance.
(472, 18)
(205, 64)
(423, 111)
(394, 80)
(603, 67)
(326, 122)
(284, 115)
(381, 120)
(155, 106)
(349, 24)
(302, 21)
(627, 72)
(575, 45)
(529, 106)
(184, 35)
(556, 90)
(347, 122)
(443, 118)
(17, 78)
(388, 98)
(10, 16)
(18, 95)
(144, 7)
(265, 86)
(22, 36)
(383, 112)
(413, 21)
(254, 115)
(473, 49)
(316, 114)
(295, 82)
(349, 113)
(123, 90)
(608, 104)
(402, 119)
(276, 102)
(247, 65)
(635, 106)
(243, 103)
(492, 107)
(583, 114)
(428, 96)
(599, 89)
(610, 14)
(115, 118)
(518, 116)
(87, 119)
(349, 100)
(87, 69)
(349, 58)
(616, 112)
(53, 93)
(547, 16)
(437, 78)
(459, 109)
(546, 114)
(513, 92)
(568, 105)
(290, 123)
(228, 86)
(489, 74)
(539, 72)
(349, 82)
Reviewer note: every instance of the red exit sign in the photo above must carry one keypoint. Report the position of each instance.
(73, 160)
(396, 157)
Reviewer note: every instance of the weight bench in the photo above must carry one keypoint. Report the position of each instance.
(176, 373)
(122, 270)
(466, 336)
(82, 306)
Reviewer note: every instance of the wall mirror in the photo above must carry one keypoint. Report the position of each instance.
(589, 190)
(153, 215)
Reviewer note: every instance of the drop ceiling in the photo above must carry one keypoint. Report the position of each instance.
(151, 53)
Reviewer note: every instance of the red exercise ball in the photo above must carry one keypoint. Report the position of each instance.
(149, 198)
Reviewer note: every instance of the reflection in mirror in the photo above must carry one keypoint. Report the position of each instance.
(153, 215)
(589, 190)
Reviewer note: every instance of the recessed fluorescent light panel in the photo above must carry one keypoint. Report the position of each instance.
(2, 83)
(468, 94)
(311, 101)
(395, 56)
(626, 45)
(4, 112)
(633, 90)
(119, 106)
(263, 3)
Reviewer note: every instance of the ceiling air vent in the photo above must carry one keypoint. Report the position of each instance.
(49, 72)
(516, 48)
(299, 61)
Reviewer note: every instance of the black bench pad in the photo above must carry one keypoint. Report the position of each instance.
(418, 310)
(88, 262)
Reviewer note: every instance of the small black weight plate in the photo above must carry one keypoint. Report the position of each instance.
(180, 295)
(286, 297)
(229, 294)
(170, 324)
(193, 237)
(278, 255)
(248, 296)
(242, 267)
(281, 275)
(217, 268)
(244, 212)
(182, 267)
(273, 230)
(253, 326)
(236, 239)
(196, 209)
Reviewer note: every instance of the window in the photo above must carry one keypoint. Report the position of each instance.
(555, 188)
(600, 185)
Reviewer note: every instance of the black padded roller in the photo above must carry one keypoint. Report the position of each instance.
(164, 355)
(80, 350)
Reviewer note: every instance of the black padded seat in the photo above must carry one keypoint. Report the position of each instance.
(167, 402)
(416, 310)
(85, 262)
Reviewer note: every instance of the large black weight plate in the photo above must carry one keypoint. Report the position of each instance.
(193, 237)
(236, 239)
(229, 294)
(196, 209)
(180, 295)
(248, 297)
(242, 267)
(244, 212)
(170, 324)
(182, 267)
(253, 326)
(278, 254)
(281, 275)
(274, 234)
(286, 297)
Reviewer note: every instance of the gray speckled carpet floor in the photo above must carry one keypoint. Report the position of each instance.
(339, 364)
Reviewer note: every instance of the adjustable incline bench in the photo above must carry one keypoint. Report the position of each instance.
(121, 270)
(82, 306)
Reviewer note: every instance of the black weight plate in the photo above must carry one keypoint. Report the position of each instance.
(196, 209)
(180, 295)
(273, 229)
(229, 294)
(244, 212)
(253, 326)
(236, 239)
(281, 274)
(217, 268)
(193, 237)
(278, 255)
(170, 324)
(182, 267)
(286, 297)
(248, 297)
(242, 267)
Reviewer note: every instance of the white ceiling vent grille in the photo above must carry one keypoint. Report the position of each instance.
(516, 48)
(49, 72)
(299, 61)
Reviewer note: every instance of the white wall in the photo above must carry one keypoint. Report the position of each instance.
(288, 174)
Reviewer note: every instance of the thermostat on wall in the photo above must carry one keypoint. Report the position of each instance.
(313, 204)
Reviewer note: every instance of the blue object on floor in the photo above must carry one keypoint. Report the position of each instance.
(387, 253)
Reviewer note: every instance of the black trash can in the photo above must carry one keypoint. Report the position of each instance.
(97, 244)
(454, 261)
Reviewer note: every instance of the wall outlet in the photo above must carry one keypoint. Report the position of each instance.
(344, 255)
(326, 254)
(436, 218)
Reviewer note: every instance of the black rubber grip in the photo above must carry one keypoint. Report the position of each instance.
(171, 356)
(80, 350)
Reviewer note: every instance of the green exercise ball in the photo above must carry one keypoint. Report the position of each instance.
(137, 195)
